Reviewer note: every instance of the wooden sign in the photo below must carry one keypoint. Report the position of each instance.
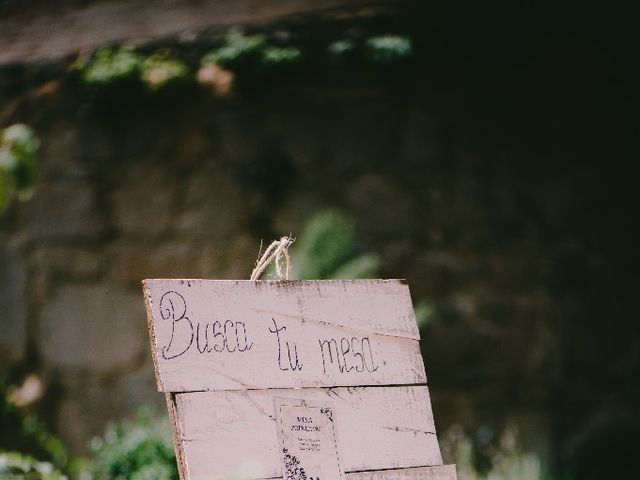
(235, 358)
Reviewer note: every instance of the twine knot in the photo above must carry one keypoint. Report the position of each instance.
(277, 252)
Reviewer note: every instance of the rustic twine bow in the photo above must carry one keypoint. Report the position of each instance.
(277, 252)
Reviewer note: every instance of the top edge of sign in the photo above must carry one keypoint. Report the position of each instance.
(401, 281)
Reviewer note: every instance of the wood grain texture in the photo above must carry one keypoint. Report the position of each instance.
(233, 435)
(173, 419)
(236, 335)
(229, 352)
(441, 472)
(47, 30)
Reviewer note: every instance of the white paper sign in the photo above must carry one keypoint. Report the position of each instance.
(309, 447)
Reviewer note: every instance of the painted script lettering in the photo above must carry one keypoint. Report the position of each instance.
(348, 354)
(173, 307)
(293, 363)
(228, 336)
(222, 337)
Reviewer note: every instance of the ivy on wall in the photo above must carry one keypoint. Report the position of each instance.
(18, 164)
(242, 55)
(23, 431)
(237, 56)
(108, 65)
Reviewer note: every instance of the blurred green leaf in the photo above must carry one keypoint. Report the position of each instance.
(362, 266)
(25, 431)
(425, 313)
(18, 162)
(108, 65)
(325, 244)
(237, 48)
(17, 466)
(341, 47)
(162, 68)
(141, 449)
(281, 55)
(389, 48)
(326, 249)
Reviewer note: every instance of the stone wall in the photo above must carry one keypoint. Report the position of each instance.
(518, 237)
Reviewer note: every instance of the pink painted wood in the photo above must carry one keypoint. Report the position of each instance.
(378, 427)
(226, 352)
(238, 335)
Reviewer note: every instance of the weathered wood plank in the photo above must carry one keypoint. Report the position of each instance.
(373, 306)
(236, 335)
(45, 30)
(233, 434)
(173, 418)
(441, 472)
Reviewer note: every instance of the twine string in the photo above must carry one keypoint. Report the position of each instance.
(277, 252)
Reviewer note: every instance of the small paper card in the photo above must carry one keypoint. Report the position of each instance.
(309, 447)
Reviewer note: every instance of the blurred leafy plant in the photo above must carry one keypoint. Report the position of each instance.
(502, 457)
(162, 68)
(236, 50)
(252, 56)
(327, 249)
(138, 450)
(243, 52)
(24, 431)
(112, 65)
(17, 466)
(109, 65)
(341, 47)
(280, 55)
(389, 48)
(18, 162)
(425, 313)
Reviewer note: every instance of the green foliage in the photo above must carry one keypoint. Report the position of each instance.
(361, 266)
(241, 51)
(502, 457)
(236, 49)
(109, 65)
(280, 55)
(21, 430)
(384, 49)
(340, 48)
(161, 69)
(34, 430)
(16, 466)
(250, 56)
(18, 162)
(326, 249)
(425, 313)
(138, 450)
(389, 48)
